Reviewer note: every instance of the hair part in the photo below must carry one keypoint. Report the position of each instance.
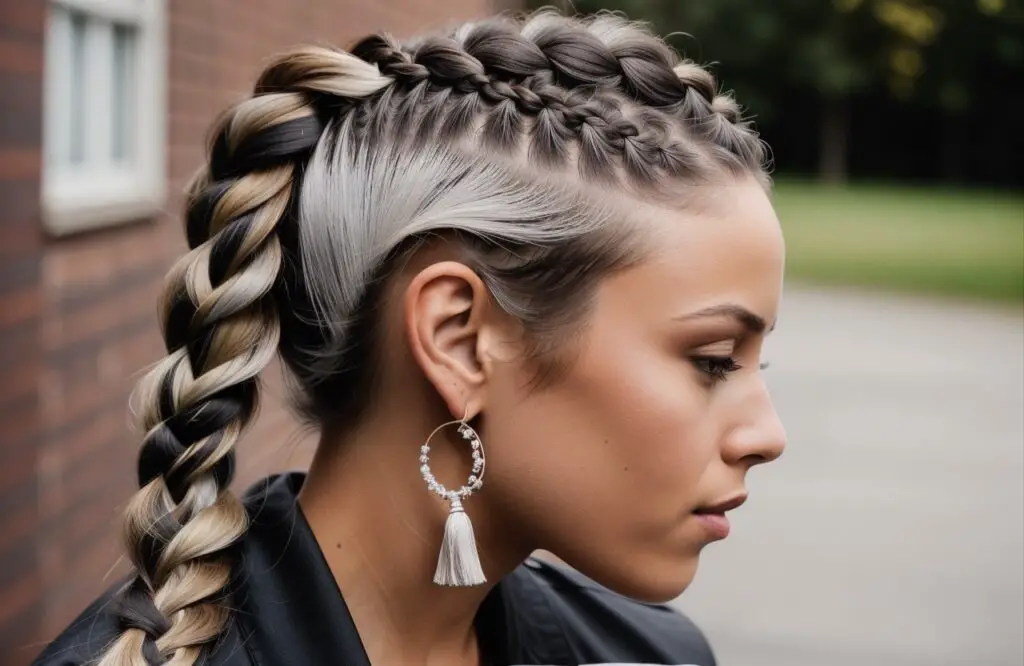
(333, 173)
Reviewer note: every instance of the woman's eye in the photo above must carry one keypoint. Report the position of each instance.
(717, 368)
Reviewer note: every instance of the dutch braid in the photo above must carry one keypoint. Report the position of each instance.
(221, 328)
(319, 180)
(573, 79)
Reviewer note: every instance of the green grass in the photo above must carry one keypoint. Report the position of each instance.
(923, 239)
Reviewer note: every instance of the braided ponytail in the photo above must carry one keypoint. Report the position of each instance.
(221, 328)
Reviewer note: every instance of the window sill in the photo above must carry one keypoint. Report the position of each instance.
(86, 206)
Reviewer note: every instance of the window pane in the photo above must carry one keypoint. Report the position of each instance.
(58, 75)
(76, 137)
(124, 93)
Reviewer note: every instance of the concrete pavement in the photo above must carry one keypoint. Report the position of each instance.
(891, 533)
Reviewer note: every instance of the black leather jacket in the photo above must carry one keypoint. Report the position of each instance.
(289, 612)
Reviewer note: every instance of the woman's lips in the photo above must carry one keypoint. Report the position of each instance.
(716, 524)
(712, 517)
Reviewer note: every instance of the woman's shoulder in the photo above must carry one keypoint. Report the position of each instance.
(581, 621)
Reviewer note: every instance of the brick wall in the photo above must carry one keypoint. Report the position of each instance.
(21, 63)
(77, 315)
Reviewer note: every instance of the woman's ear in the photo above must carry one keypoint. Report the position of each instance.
(446, 307)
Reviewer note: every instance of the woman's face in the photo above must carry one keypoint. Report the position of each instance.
(621, 466)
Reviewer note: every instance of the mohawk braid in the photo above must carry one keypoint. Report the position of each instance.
(590, 81)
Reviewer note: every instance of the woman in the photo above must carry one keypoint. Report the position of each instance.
(536, 255)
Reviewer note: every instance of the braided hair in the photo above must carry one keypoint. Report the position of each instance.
(317, 186)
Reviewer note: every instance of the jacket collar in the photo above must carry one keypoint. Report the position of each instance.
(289, 608)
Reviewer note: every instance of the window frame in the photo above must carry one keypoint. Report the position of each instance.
(103, 194)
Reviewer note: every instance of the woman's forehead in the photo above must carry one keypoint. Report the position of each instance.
(728, 250)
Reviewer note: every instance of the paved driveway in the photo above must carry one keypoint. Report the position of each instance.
(891, 532)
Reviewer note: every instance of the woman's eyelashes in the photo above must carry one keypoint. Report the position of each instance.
(715, 368)
(717, 361)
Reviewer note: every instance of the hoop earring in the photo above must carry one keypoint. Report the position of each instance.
(458, 564)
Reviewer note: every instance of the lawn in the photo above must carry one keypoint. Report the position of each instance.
(933, 240)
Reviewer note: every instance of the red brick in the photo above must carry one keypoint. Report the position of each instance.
(21, 111)
(62, 414)
(134, 352)
(81, 263)
(20, 238)
(21, 57)
(17, 528)
(113, 364)
(18, 455)
(20, 421)
(184, 160)
(19, 308)
(20, 272)
(24, 19)
(19, 381)
(17, 555)
(100, 565)
(19, 490)
(104, 432)
(17, 597)
(20, 197)
(21, 637)
(191, 66)
(98, 511)
(24, 56)
(19, 163)
(20, 343)
(136, 305)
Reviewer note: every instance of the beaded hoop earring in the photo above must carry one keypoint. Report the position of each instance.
(458, 564)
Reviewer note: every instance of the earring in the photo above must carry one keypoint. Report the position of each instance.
(458, 564)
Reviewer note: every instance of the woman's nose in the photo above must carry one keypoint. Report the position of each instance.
(761, 440)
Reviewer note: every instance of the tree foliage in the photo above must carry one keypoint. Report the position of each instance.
(951, 56)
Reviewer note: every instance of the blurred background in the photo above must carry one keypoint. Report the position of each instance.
(891, 533)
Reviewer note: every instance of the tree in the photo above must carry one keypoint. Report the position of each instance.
(951, 57)
(973, 66)
(767, 47)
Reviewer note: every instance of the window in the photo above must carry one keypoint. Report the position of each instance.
(105, 113)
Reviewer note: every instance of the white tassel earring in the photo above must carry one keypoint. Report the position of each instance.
(458, 564)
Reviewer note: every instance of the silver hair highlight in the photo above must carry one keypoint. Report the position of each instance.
(359, 203)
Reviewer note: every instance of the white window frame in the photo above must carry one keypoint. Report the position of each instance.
(106, 195)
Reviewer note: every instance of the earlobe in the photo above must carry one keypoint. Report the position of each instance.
(444, 307)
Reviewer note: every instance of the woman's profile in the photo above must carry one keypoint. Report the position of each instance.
(519, 274)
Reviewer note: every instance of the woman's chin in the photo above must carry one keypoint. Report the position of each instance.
(651, 584)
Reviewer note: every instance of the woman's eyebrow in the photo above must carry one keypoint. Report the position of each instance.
(750, 321)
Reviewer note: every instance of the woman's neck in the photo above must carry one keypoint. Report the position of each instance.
(380, 531)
